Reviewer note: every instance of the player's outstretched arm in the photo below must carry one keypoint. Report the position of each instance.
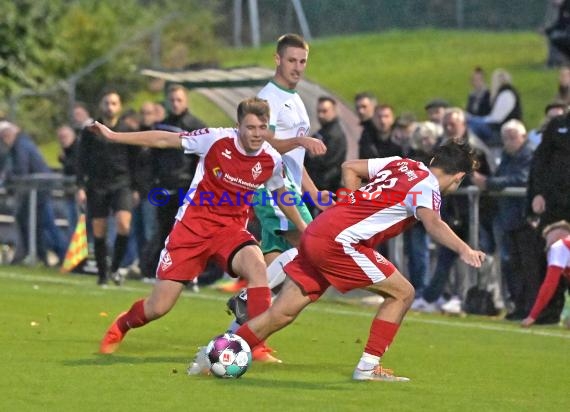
(288, 209)
(322, 201)
(314, 146)
(152, 138)
(545, 294)
(353, 171)
(442, 233)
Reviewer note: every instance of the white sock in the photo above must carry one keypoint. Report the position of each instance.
(368, 361)
(233, 327)
(275, 273)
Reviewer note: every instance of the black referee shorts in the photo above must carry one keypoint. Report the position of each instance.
(101, 201)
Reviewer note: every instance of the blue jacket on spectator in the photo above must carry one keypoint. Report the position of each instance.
(513, 171)
(26, 158)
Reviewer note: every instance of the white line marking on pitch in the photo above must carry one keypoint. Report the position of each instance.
(65, 280)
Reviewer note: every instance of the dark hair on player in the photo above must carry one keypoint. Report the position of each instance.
(291, 40)
(253, 105)
(454, 158)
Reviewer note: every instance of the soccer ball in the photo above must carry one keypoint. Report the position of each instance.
(229, 356)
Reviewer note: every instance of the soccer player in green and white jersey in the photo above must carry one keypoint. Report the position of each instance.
(289, 122)
(290, 125)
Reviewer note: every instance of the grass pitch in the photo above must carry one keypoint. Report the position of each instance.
(51, 324)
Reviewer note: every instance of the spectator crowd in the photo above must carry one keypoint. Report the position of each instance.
(126, 230)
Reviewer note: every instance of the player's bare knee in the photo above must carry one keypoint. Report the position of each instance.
(404, 293)
(408, 294)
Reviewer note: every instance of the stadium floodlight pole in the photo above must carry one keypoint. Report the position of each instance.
(238, 15)
(254, 22)
(302, 19)
(460, 13)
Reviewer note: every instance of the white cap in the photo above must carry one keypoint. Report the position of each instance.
(5, 125)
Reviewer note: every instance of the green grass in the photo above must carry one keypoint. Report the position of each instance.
(403, 68)
(455, 364)
(408, 68)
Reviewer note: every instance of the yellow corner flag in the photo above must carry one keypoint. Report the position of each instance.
(77, 250)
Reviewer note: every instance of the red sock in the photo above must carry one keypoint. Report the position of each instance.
(245, 332)
(381, 336)
(134, 318)
(258, 301)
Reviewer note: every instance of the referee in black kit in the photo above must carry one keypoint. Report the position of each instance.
(105, 180)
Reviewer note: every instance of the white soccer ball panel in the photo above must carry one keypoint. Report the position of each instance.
(242, 359)
(218, 369)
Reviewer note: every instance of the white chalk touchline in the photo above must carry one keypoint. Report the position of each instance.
(65, 280)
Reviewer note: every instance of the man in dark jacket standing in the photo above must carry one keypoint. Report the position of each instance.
(376, 139)
(325, 170)
(364, 105)
(105, 180)
(549, 188)
(172, 170)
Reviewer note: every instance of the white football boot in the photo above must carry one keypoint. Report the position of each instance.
(378, 373)
(200, 365)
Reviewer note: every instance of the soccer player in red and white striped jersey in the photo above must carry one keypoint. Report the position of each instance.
(211, 224)
(338, 248)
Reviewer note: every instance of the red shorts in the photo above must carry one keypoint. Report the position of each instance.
(322, 263)
(187, 251)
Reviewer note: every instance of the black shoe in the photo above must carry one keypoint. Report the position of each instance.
(102, 281)
(548, 319)
(515, 315)
(237, 305)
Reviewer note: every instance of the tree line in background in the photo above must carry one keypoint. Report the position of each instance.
(48, 44)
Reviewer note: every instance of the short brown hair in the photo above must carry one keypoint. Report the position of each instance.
(253, 105)
(561, 224)
(291, 40)
(174, 87)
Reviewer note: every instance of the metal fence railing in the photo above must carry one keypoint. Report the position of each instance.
(29, 185)
(474, 195)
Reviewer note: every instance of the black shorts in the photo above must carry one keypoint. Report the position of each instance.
(100, 201)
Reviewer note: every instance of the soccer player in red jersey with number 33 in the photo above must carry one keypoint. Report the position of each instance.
(338, 247)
